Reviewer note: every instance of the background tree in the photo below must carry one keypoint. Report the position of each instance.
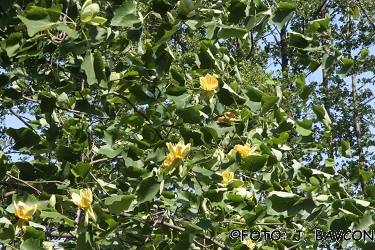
(159, 124)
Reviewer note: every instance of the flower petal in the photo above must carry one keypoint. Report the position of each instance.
(171, 148)
(29, 211)
(76, 199)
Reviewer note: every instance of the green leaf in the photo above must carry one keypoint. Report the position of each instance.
(176, 91)
(178, 76)
(56, 217)
(34, 26)
(301, 80)
(319, 26)
(278, 203)
(306, 91)
(235, 183)
(366, 176)
(47, 104)
(209, 134)
(119, 203)
(31, 244)
(148, 189)
(297, 40)
(218, 129)
(160, 6)
(141, 93)
(124, 15)
(33, 233)
(7, 4)
(370, 191)
(180, 101)
(88, 66)
(322, 115)
(54, 12)
(268, 102)
(347, 64)
(337, 224)
(282, 14)
(85, 107)
(194, 135)
(26, 170)
(167, 35)
(84, 241)
(236, 11)
(108, 151)
(6, 230)
(255, 95)
(12, 44)
(81, 169)
(328, 61)
(227, 96)
(226, 32)
(345, 149)
(253, 163)
(304, 127)
(214, 195)
(206, 58)
(66, 154)
(164, 60)
(24, 138)
(190, 115)
(99, 69)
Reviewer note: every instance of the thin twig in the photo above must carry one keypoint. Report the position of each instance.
(60, 182)
(253, 179)
(295, 246)
(193, 174)
(257, 223)
(24, 182)
(105, 159)
(203, 236)
(139, 112)
(365, 12)
(21, 119)
(66, 109)
(92, 175)
(159, 219)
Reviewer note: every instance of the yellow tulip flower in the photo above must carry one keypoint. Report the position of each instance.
(24, 212)
(168, 161)
(245, 150)
(209, 84)
(178, 151)
(84, 200)
(176, 154)
(227, 176)
(249, 243)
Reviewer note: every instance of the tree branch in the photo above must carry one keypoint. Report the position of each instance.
(21, 119)
(24, 182)
(365, 12)
(139, 112)
(66, 109)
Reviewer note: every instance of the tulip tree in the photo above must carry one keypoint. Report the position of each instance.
(158, 125)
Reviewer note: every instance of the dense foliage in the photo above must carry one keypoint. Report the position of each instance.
(180, 124)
